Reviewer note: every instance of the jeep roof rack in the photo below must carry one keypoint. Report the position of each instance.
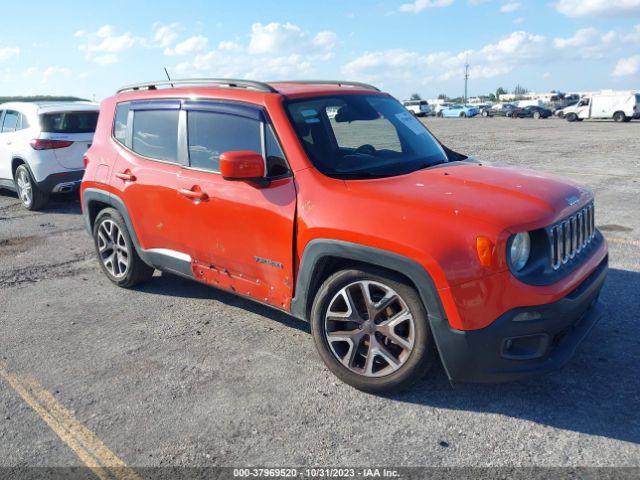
(222, 82)
(339, 83)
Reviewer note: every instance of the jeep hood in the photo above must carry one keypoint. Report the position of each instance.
(508, 198)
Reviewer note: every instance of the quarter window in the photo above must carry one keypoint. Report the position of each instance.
(155, 134)
(120, 123)
(212, 134)
(10, 122)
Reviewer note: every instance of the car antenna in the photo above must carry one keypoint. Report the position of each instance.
(168, 77)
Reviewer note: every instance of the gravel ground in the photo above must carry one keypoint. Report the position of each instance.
(175, 373)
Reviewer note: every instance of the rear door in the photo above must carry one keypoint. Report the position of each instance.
(240, 233)
(5, 154)
(146, 172)
(77, 127)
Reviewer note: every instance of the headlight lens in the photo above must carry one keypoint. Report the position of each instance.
(519, 251)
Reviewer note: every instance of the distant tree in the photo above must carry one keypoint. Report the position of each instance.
(442, 96)
(520, 90)
(415, 96)
(491, 97)
(500, 91)
(42, 98)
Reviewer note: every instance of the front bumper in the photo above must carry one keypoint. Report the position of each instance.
(62, 182)
(509, 349)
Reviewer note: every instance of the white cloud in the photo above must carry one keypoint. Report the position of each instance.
(164, 35)
(606, 8)
(419, 5)
(103, 45)
(229, 46)
(273, 50)
(510, 7)
(8, 52)
(108, 59)
(519, 20)
(627, 67)
(190, 45)
(588, 43)
(492, 60)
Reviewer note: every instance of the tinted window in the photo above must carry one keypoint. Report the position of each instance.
(69, 122)
(120, 122)
(276, 164)
(379, 132)
(212, 134)
(10, 122)
(155, 134)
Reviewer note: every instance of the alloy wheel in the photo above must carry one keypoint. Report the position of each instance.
(25, 189)
(112, 248)
(369, 328)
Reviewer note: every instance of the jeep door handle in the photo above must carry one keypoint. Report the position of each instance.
(194, 195)
(127, 177)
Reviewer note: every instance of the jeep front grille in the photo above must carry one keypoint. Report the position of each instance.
(572, 235)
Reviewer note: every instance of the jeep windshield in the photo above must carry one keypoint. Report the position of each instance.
(363, 136)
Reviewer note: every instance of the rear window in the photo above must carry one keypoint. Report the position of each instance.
(69, 122)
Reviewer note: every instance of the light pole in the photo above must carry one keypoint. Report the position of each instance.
(466, 79)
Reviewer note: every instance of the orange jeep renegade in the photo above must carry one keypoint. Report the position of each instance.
(330, 201)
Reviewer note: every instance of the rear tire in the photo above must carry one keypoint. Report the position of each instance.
(536, 115)
(619, 117)
(384, 343)
(463, 115)
(118, 257)
(29, 193)
(485, 113)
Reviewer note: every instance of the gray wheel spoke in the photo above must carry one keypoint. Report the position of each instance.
(388, 329)
(112, 247)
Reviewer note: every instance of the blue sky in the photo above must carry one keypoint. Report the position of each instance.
(401, 45)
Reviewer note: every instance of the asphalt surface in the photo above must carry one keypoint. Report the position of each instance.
(176, 373)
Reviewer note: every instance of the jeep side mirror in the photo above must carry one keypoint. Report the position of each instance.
(242, 165)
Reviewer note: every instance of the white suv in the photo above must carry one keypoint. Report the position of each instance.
(420, 108)
(42, 147)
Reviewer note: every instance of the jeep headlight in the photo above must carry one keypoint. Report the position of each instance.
(519, 250)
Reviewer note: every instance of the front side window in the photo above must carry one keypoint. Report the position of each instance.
(69, 122)
(211, 134)
(155, 134)
(370, 135)
(10, 122)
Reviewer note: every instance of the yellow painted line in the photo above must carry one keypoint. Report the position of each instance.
(623, 241)
(84, 443)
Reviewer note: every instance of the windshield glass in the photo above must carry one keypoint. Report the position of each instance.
(360, 136)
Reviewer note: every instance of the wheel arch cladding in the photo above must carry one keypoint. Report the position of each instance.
(93, 199)
(322, 257)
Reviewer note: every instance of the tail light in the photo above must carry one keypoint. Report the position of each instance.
(85, 159)
(46, 144)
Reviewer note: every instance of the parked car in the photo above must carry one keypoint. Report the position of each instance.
(619, 106)
(437, 108)
(559, 112)
(42, 147)
(499, 110)
(531, 111)
(458, 110)
(420, 108)
(251, 188)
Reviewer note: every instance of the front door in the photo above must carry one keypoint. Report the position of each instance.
(240, 233)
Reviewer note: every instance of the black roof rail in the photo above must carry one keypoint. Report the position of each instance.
(223, 82)
(339, 83)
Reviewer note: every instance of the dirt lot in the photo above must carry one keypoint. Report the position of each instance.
(176, 373)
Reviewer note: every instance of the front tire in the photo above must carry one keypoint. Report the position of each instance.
(29, 193)
(371, 330)
(571, 117)
(117, 254)
(462, 114)
(536, 115)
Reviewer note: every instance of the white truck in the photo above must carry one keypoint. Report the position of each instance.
(620, 106)
(420, 108)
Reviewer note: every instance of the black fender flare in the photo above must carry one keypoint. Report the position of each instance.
(320, 249)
